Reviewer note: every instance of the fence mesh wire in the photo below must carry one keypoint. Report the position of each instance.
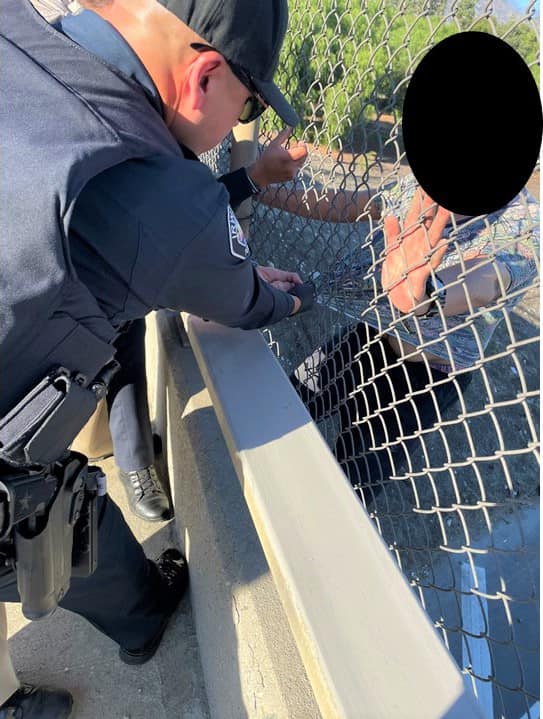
(434, 420)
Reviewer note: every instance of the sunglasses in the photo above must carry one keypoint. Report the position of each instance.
(255, 104)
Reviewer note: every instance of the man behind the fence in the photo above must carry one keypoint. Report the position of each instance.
(111, 216)
(430, 293)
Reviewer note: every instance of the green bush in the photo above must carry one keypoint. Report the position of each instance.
(343, 66)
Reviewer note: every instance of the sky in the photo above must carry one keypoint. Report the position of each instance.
(523, 4)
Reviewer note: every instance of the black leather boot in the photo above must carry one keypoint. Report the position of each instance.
(174, 571)
(37, 703)
(145, 495)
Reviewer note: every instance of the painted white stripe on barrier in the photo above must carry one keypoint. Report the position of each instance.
(475, 651)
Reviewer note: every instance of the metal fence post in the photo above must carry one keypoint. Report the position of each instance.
(244, 153)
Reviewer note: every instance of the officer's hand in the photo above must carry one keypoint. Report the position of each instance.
(297, 305)
(280, 279)
(278, 163)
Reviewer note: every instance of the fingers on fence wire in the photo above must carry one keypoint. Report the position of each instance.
(421, 212)
(281, 136)
(427, 228)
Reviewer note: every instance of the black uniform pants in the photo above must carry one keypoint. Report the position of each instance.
(124, 597)
(380, 403)
(128, 408)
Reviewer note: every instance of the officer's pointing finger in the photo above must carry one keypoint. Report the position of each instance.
(282, 136)
(298, 153)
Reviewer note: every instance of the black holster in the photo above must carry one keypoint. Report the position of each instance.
(50, 530)
(48, 496)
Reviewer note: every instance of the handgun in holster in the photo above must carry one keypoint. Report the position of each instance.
(48, 495)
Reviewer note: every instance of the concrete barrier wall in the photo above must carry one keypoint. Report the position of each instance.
(367, 646)
(251, 665)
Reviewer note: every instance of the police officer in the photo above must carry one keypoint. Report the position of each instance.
(129, 421)
(111, 216)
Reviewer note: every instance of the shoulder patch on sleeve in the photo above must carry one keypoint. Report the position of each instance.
(238, 243)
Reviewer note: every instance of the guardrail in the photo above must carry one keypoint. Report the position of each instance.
(368, 647)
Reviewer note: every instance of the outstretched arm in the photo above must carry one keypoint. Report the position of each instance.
(328, 206)
(279, 163)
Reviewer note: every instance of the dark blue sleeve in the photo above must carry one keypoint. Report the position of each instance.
(212, 283)
(160, 232)
(238, 186)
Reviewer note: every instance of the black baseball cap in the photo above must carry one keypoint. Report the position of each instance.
(249, 34)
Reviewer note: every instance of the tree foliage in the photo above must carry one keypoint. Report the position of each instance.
(345, 63)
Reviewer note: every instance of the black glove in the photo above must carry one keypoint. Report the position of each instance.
(306, 294)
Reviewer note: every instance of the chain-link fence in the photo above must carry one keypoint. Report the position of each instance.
(433, 418)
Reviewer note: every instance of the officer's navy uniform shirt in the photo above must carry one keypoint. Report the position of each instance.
(128, 234)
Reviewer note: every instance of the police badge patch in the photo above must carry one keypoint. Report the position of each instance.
(238, 244)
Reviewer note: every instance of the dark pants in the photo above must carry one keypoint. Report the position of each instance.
(381, 402)
(128, 407)
(124, 596)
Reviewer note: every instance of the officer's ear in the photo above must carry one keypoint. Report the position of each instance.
(204, 74)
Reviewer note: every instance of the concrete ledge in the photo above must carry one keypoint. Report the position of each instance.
(368, 647)
(251, 665)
